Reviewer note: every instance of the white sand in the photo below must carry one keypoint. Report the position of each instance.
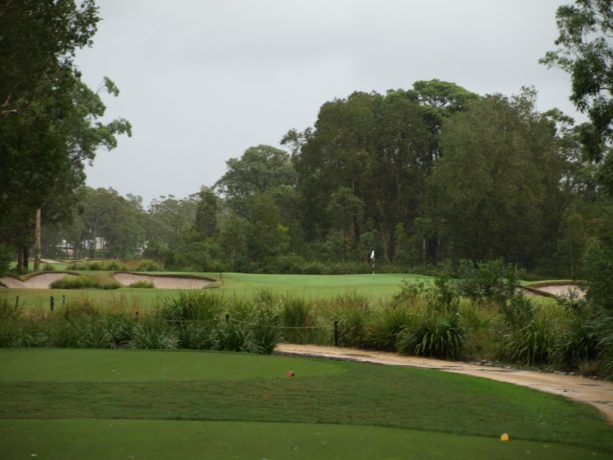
(162, 282)
(41, 281)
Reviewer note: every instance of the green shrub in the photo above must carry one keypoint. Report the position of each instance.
(534, 343)
(353, 314)
(298, 320)
(388, 325)
(148, 265)
(409, 293)
(491, 280)
(113, 265)
(154, 334)
(48, 268)
(517, 311)
(265, 329)
(232, 335)
(142, 285)
(577, 343)
(192, 306)
(120, 327)
(436, 333)
(84, 282)
(605, 345)
(196, 335)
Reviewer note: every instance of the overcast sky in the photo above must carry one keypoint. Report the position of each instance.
(201, 81)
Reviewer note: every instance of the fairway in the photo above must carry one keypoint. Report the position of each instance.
(239, 285)
(72, 365)
(151, 404)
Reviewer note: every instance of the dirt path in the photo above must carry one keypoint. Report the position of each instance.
(163, 282)
(595, 392)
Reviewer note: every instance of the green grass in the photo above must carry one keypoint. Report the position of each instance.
(238, 285)
(392, 409)
(154, 439)
(73, 365)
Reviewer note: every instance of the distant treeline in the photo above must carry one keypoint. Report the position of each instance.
(420, 176)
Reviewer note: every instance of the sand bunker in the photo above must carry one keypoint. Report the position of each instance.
(558, 290)
(40, 281)
(163, 282)
(44, 280)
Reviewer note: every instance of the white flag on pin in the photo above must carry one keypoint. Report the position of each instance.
(372, 255)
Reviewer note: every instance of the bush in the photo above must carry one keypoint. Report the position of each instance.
(233, 336)
(192, 306)
(388, 326)
(298, 321)
(266, 331)
(154, 334)
(197, 335)
(48, 268)
(491, 280)
(148, 265)
(577, 343)
(532, 344)
(84, 282)
(353, 328)
(517, 311)
(605, 345)
(437, 333)
(142, 285)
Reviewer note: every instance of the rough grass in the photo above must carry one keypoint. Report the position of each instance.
(60, 384)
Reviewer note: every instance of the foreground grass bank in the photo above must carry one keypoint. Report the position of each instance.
(446, 410)
(164, 439)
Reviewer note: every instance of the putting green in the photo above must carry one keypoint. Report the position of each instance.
(152, 439)
(75, 365)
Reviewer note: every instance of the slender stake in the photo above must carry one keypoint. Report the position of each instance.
(336, 333)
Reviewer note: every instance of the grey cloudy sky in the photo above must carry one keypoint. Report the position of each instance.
(201, 81)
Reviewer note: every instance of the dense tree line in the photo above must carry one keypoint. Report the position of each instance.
(419, 175)
(420, 180)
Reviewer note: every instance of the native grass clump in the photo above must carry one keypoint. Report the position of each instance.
(451, 318)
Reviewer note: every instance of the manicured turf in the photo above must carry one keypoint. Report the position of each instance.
(73, 365)
(241, 285)
(153, 439)
(66, 384)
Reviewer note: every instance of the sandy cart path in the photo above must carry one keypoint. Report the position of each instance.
(598, 393)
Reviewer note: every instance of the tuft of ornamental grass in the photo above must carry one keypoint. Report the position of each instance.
(142, 285)
(85, 282)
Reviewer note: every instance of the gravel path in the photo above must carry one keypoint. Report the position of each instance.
(598, 393)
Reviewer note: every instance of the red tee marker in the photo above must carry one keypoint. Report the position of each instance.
(290, 373)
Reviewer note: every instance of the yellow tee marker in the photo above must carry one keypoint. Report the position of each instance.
(504, 437)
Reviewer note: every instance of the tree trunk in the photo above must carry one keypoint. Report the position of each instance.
(19, 261)
(37, 241)
(26, 258)
(424, 252)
